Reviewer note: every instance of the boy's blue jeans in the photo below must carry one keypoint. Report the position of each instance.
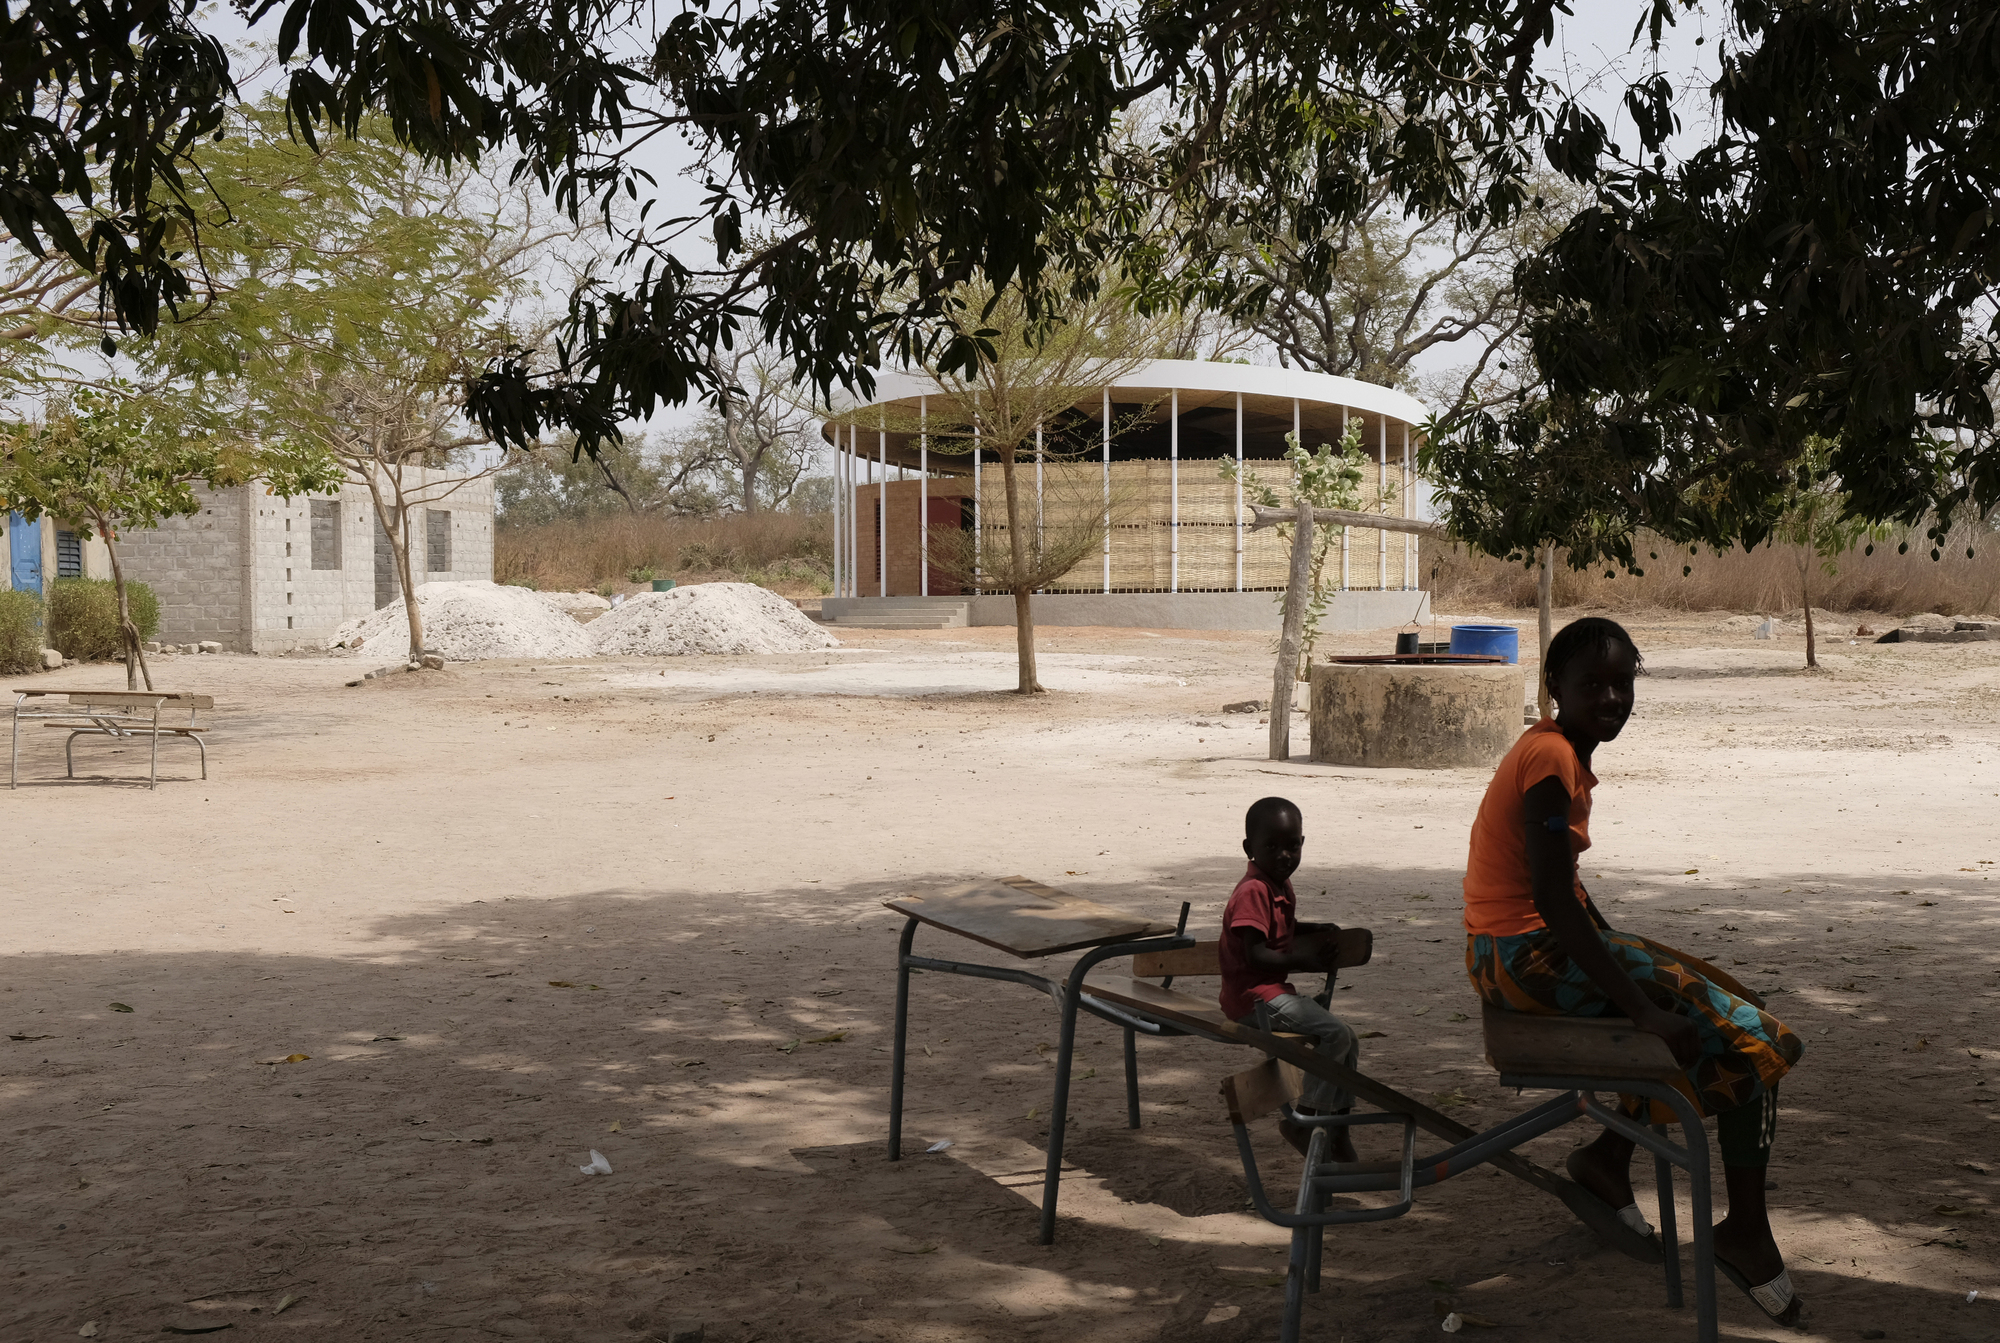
(1332, 1038)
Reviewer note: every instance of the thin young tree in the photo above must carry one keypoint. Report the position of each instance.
(1324, 478)
(1023, 397)
(356, 292)
(114, 463)
(1819, 526)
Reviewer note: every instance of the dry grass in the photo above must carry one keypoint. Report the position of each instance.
(1764, 580)
(783, 551)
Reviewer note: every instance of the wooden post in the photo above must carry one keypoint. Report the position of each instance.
(1544, 610)
(1287, 674)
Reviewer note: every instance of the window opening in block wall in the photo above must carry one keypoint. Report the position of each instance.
(69, 555)
(437, 540)
(325, 534)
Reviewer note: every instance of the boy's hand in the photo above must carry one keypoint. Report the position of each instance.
(1321, 941)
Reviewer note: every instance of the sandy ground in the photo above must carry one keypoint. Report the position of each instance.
(369, 874)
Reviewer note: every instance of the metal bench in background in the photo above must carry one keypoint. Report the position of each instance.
(120, 714)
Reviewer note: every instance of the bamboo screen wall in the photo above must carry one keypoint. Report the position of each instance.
(1144, 534)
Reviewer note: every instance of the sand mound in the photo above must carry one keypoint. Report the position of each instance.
(467, 622)
(706, 618)
(579, 604)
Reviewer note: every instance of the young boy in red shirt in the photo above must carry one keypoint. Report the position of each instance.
(1263, 941)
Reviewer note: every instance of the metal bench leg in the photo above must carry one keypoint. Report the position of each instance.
(1316, 1243)
(1695, 1136)
(1131, 1078)
(199, 746)
(1058, 1114)
(902, 1028)
(1302, 1267)
(69, 753)
(1670, 1245)
(155, 783)
(14, 773)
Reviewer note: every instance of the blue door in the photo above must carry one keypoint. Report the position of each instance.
(24, 550)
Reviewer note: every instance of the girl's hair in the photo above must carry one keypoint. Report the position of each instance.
(1592, 634)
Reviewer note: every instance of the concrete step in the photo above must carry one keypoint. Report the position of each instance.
(904, 613)
(901, 620)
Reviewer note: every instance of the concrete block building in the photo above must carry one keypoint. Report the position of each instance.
(1147, 450)
(261, 574)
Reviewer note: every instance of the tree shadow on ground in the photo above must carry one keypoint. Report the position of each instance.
(417, 1173)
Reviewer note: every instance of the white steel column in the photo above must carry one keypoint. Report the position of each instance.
(1174, 492)
(924, 495)
(1382, 537)
(882, 505)
(1409, 538)
(1038, 494)
(1346, 533)
(1107, 489)
(1239, 491)
(838, 574)
(854, 509)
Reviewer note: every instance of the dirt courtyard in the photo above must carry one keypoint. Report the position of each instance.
(368, 876)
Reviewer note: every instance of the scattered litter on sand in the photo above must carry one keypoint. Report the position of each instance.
(598, 1165)
(706, 618)
(468, 622)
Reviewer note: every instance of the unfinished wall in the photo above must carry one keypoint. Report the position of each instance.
(195, 566)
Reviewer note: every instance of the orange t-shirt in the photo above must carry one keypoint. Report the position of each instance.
(1499, 894)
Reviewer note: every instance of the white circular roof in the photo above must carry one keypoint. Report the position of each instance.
(1201, 375)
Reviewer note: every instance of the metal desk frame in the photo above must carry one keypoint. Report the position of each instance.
(1321, 1179)
(1069, 997)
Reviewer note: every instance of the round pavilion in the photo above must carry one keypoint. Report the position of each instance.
(1156, 443)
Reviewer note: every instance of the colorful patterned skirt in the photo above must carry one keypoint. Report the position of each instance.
(1744, 1050)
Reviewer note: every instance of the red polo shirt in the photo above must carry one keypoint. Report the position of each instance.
(1270, 910)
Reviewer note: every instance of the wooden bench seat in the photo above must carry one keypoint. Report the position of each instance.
(1525, 1044)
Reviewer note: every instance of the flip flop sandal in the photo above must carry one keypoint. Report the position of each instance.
(1775, 1298)
(1623, 1229)
(1632, 1217)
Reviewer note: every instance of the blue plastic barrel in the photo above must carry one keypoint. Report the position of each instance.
(1488, 640)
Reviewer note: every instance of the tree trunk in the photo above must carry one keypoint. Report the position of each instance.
(402, 553)
(1018, 571)
(1805, 594)
(604, 465)
(1285, 676)
(135, 656)
(745, 465)
(1545, 586)
(399, 549)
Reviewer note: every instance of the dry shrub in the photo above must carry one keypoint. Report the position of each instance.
(1763, 580)
(792, 548)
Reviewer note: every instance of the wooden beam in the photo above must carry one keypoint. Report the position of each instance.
(1343, 517)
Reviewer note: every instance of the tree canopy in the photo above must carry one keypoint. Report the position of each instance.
(1825, 266)
(864, 161)
(1822, 266)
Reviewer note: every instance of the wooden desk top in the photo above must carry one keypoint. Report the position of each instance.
(131, 698)
(1025, 918)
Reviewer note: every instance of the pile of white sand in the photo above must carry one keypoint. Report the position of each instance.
(582, 605)
(706, 618)
(467, 622)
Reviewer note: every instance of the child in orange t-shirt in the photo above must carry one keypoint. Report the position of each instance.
(1263, 942)
(1535, 942)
